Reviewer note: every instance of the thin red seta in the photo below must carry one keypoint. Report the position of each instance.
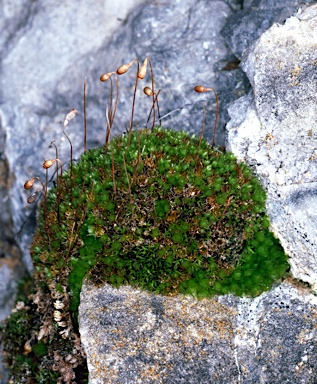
(202, 89)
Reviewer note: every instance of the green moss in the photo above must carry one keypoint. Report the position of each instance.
(162, 211)
(39, 349)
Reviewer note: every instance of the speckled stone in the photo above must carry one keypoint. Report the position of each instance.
(131, 336)
(274, 130)
(257, 16)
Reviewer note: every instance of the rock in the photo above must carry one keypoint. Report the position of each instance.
(132, 336)
(274, 130)
(14, 16)
(256, 16)
(12, 267)
(10, 273)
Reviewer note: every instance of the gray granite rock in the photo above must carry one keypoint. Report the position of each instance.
(274, 130)
(256, 16)
(12, 267)
(10, 273)
(132, 336)
(14, 16)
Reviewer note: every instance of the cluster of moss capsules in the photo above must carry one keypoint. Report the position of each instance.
(162, 211)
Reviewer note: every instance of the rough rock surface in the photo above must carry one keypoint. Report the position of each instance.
(274, 130)
(132, 336)
(12, 267)
(255, 17)
(186, 48)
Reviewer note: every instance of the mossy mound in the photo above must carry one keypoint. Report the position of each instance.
(162, 211)
(154, 209)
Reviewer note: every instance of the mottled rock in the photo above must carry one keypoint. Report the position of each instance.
(15, 14)
(257, 16)
(12, 267)
(274, 130)
(10, 273)
(132, 336)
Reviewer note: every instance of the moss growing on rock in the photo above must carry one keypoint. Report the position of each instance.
(156, 209)
(161, 211)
